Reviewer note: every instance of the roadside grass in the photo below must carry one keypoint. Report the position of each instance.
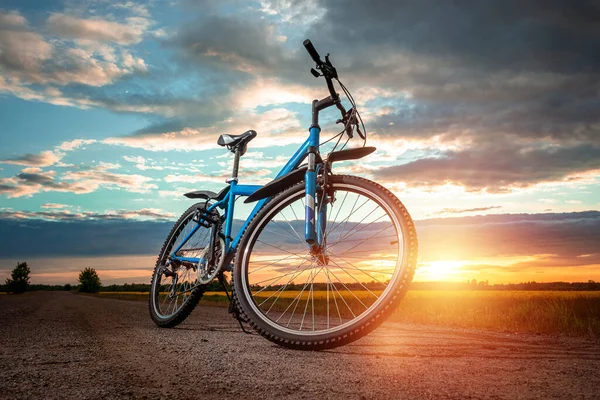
(563, 312)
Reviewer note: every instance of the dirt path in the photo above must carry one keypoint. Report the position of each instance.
(60, 345)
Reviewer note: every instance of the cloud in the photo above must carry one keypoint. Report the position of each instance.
(49, 157)
(96, 29)
(74, 144)
(439, 76)
(82, 51)
(65, 215)
(230, 42)
(144, 164)
(254, 176)
(496, 168)
(84, 180)
(20, 48)
(277, 126)
(54, 206)
(567, 236)
(137, 9)
(451, 83)
(43, 159)
(464, 210)
(92, 178)
(564, 234)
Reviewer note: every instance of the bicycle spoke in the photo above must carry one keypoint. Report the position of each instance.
(343, 284)
(334, 300)
(283, 287)
(278, 248)
(352, 276)
(298, 296)
(288, 222)
(343, 239)
(273, 263)
(304, 291)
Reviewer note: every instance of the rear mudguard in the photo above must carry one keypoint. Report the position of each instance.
(208, 195)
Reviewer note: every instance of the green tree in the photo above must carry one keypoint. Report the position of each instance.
(89, 281)
(19, 279)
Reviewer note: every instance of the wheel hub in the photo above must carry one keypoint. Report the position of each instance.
(319, 256)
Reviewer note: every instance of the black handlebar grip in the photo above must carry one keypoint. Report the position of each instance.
(312, 51)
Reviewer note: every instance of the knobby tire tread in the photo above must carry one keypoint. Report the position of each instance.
(195, 295)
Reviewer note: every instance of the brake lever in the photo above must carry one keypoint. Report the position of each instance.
(347, 123)
(328, 68)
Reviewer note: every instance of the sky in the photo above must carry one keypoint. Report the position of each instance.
(485, 117)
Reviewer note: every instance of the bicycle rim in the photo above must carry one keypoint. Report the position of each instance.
(171, 293)
(299, 294)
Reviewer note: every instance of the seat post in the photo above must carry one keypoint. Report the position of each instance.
(236, 166)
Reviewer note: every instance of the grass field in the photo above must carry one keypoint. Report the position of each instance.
(565, 312)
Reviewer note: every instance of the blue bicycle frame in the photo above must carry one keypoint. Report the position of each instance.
(227, 204)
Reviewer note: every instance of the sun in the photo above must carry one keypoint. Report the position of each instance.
(440, 270)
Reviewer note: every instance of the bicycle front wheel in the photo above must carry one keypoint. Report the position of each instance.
(304, 300)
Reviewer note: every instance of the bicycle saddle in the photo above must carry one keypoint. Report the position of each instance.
(232, 141)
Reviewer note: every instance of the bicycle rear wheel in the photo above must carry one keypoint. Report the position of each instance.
(306, 301)
(174, 289)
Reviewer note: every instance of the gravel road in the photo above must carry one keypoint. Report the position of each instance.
(60, 345)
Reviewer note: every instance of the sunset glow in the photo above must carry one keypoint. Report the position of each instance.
(111, 111)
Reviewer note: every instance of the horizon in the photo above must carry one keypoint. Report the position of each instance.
(441, 258)
(110, 112)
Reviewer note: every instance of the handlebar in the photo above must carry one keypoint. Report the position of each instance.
(312, 51)
(329, 72)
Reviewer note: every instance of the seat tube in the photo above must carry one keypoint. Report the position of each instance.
(310, 186)
(229, 214)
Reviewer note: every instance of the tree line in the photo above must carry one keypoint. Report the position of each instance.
(19, 281)
(89, 282)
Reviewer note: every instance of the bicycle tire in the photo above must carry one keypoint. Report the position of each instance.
(195, 294)
(353, 331)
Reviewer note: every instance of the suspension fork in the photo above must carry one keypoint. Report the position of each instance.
(310, 189)
(322, 219)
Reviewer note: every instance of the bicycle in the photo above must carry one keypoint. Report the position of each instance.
(353, 269)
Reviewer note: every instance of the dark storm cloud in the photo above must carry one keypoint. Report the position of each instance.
(495, 167)
(78, 238)
(567, 235)
(530, 69)
(573, 236)
(230, 39)
(533, 35)
(524, 68)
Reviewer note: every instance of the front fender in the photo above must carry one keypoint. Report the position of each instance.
(277, 185)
